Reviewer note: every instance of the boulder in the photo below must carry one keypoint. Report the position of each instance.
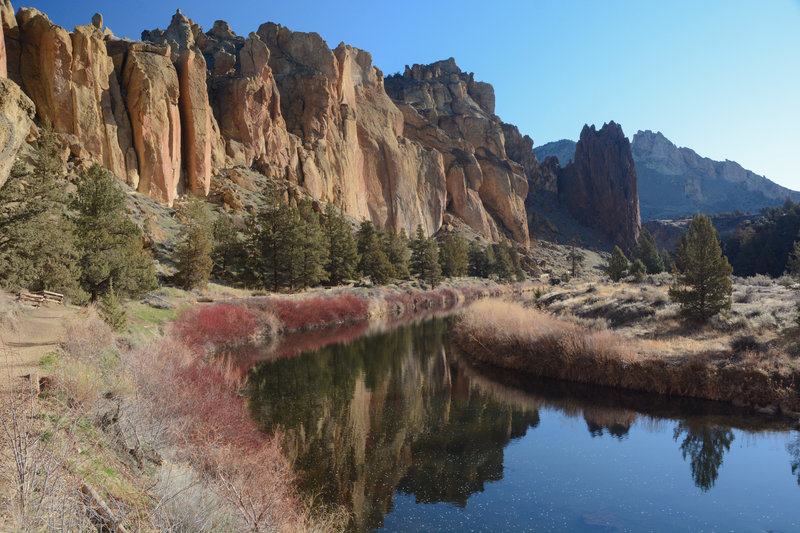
(600, 186)
(16, 119)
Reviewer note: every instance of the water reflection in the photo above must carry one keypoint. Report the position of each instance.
(400, 411)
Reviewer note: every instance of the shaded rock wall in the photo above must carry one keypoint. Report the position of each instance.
(600, 186)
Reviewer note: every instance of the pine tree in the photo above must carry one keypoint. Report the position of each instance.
(425, 258)
(576, 260)
(228, 250)
(37, 239)
(373, 263)
(793, 265)
(478, 262)
(193, 254)
(647, 251)
(312, 247)
(343, 257)
(638, 270)
(703, 286)
(453, 255)
(617, 265)
(397, 252)
(271, 245)
(109, 243)
(111, 309)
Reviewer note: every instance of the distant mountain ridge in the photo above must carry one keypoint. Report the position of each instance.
(676, 181)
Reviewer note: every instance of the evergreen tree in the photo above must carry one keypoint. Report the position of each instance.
(312, 249)
(397, 252)
(111, 309)
(228, 251)
(647, 251)
(343, 257)
(576, 260)
(37, 239)
(193, 253)
(703, 286)
(373, 263)
(425, 258)
(617, 265)
(479, 264)
(110, 244)
(793, 265)
(638, 270)
(271, 244)
(503, 266)
(453, 255)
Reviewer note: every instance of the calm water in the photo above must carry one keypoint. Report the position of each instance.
(397, 427)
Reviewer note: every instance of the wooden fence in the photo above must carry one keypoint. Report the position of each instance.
(38, 297)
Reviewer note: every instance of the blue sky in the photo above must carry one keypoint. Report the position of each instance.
(719, 76)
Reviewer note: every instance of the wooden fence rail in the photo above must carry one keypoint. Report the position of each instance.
(37, 297)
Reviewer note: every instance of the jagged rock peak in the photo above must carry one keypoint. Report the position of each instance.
(181, 33)
(600, 187)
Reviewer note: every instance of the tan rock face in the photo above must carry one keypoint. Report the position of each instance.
(167, 113)
(9, 41)
(16, 118)
(445, 109)
(151, 85)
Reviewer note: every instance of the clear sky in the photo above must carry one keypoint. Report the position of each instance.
(719, 76)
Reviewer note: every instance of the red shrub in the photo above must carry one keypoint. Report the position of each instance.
(218, 325)
(314, 312)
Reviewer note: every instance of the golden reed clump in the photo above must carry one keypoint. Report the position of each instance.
(511, 336)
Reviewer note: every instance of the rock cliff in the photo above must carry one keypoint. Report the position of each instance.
(676, 181)
(180, 109)
(600, 186)
(445, 110)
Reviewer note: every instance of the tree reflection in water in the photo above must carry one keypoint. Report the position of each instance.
(705, 447)
(400, 411)
(794, 451)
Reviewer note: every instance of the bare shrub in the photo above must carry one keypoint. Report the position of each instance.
(9, 313)
(37, 448)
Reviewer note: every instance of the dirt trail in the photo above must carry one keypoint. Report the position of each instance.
(38, 332)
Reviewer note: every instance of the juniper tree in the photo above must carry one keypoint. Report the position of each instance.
(453, 255)
(638, 269)
(343, 257)
(793, 264)
(111, 309)
(703, 284)
(647, 251)
(617, 265)
(193, 253)
(110, 245)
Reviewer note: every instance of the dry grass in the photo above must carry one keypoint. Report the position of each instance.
(511, 336)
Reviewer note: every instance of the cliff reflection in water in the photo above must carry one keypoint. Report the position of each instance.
(386, 412)
(400, 411)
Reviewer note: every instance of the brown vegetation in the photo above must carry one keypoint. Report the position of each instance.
(511, 336)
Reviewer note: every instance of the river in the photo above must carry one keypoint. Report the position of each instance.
(402, 431)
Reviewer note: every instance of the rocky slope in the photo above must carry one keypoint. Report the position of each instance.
(600, 186)
(675, 182)
(178, 111)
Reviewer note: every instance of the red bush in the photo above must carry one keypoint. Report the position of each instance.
(314, 312)
(218, 325)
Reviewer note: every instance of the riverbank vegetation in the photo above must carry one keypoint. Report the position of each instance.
(631, 335)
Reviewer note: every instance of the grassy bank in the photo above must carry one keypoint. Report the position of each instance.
(727, 361)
